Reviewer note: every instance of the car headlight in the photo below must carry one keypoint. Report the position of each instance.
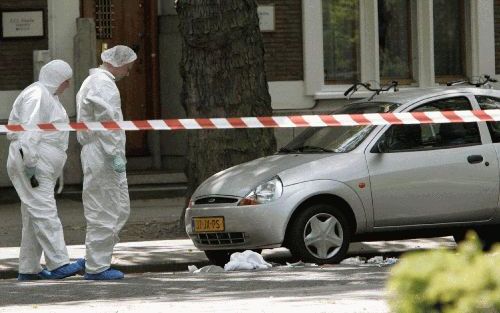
(264, 193)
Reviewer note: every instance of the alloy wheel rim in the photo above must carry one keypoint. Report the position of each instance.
(323, 236)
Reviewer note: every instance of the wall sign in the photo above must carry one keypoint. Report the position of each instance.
(266, 17)
(22, 24)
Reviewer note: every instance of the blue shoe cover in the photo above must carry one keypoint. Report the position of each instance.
(81, 263)
(44, 274)
(66, 270)
(109, 274)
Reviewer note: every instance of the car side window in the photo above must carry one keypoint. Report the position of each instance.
(491, 103)
(401, 138)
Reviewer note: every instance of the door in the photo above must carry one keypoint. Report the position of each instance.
(433, 173)
(131, 23)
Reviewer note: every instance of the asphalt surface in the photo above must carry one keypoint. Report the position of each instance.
(155, 254)
(339, 288)
(153, 241)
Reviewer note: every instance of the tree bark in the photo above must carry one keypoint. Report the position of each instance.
(223, 76)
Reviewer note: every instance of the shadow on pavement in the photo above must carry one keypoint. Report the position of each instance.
(276, 282)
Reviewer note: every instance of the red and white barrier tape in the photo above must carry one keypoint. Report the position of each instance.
(271, 121)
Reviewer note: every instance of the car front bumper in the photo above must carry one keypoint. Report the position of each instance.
(245, 227)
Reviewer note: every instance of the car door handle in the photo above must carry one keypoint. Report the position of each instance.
(473, 159)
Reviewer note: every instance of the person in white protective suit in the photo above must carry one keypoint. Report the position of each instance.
(35, 161)
(105, 190)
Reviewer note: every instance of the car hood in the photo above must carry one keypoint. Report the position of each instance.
(239, 180)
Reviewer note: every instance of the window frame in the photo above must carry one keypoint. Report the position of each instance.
(411, 46)
(356, 53)
(443, 79)
(478, 57)
(412, 108)
(489, 125)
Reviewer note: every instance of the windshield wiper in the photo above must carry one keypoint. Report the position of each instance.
(313, 148)
(286, 150)
(304, 149)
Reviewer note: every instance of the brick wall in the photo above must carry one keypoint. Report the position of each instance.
(16, 55)
(284, 55)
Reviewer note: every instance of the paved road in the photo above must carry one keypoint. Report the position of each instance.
(339, 288)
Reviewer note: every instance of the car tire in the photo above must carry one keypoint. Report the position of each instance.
(326, 231)
(487, 235)
(221, 257)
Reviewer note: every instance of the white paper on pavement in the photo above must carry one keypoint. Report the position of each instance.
(378, 260)
(206, 269)
(301, 264)
(247, 260)
(353, 261)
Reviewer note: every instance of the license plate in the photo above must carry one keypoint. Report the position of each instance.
(208, 224)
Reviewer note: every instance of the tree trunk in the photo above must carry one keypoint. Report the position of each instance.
(223, 76)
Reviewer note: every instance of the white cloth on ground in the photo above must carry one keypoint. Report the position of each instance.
(247, 260)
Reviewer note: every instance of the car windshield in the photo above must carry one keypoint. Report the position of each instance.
(337, 139)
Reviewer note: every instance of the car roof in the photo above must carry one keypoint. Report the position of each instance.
(412, 95)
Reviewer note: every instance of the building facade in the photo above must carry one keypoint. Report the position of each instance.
(314, 50)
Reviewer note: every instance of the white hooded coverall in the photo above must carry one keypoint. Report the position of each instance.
(42, 229)
(105, 192)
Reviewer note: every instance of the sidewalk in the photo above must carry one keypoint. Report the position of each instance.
(151, 238)
(176, 255)
(130, 257)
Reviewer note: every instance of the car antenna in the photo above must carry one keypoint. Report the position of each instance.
(376, 91)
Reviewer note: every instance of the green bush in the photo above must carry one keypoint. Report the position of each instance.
(444, 281)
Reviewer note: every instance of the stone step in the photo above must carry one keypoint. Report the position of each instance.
(142, 185)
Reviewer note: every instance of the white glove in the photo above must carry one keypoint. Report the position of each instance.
(29, 171)
(119, 164)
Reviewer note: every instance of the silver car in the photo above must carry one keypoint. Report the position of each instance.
(334, 185)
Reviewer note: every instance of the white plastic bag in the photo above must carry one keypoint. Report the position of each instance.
(247, 260)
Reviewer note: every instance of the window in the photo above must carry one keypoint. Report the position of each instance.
(497, 35)
(104, 19)
(340, 138)
(394, 31)
(449, 39)
(400, 138)
(341, 41)
(390, 40)
(491, 103)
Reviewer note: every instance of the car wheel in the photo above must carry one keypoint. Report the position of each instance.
(221, 257)
(320, 234)
(487, 235)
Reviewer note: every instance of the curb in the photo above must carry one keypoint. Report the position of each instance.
(133, 269)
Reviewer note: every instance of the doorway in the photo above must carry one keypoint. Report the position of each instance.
(132, 23)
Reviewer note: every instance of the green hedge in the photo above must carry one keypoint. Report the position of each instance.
(445, 281)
